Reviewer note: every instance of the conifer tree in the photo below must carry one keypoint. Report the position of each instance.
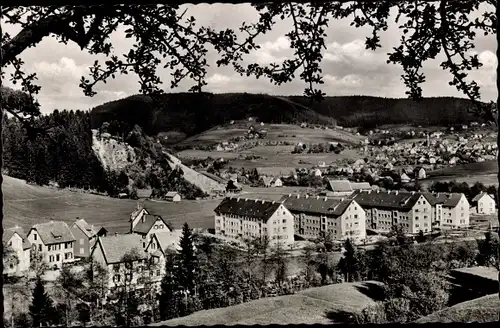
(168, 299)
(187, 260)
(42, 307)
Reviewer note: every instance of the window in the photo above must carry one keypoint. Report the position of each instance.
(128, 265)
(49, 248)
(10, 243)
(34, 236)
(116, 278)
(82, 250)
(128, 277)
(284, 213)
(39, 247)
(58, 258)
(51, 258)
(161, 226)
(116, 266)
(81, 241)
(284, 220)
(355, 216)
(158, 272)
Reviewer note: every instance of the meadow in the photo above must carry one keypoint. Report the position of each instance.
(26, 205)
(484, 172)
(309, 306)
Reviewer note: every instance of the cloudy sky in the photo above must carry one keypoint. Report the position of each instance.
(348, 68)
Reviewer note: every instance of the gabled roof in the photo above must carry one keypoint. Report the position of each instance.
(479, 196)
(340, 185)
(261, 209)
(447, 199)
(8, 233)
(405, 176)
(266, 180)
(397, 200)
(171, 194)
(360, 185)
(115, 247)
(168, 240)
(146, 223)
(315, 205)
(89, 230)
(54, 232)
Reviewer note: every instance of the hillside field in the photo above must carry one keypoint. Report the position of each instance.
(310, 306)
(484, 172)
(26, 204)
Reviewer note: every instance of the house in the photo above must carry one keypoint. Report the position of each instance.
(145, 224)
(270, 182)
(173, 196)
(315, 172)
(163, 241)
(419, 173)
(339, 218)
(17, 262)
(451, 210)
(144, 193)
(85, 236)
(389, 166)
(241, 218)
(484, 203)
(360, 186)
(340, 187)
(386, 210)
(54, 240)
(405, 178)
(126, 261)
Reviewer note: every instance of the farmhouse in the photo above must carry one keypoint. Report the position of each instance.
(126, 261)
(419, 173)
(17, 262)
(484, 203)
(454, 210)
(405, 178)
(163, 241)
(173, 196)
(341, 218)
(384, 210)
(85, 235)
(54, 240)
(240, 218)
(145, 224)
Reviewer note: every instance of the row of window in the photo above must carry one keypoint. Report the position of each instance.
(57, 257)
(57, 247)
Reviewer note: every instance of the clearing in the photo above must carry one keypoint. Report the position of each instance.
(484, 172)
(310, 306)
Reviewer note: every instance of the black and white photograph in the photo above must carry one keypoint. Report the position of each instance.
(253, 163)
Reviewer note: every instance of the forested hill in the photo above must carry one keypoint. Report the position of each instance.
(193, 113)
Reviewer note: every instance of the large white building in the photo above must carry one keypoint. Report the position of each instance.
(17, 262)
(54, 241)
(339, 218)
(451, 210)
(240, 219)
(385, 210)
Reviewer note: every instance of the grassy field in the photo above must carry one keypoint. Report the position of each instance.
(307, 307)
(26, 205)
(479, 271)
(483, 309)
(465, 170)
(275, 132)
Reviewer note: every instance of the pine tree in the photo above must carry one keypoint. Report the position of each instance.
(187, 260)
(349, 264)
(168, 299)
(42, 307)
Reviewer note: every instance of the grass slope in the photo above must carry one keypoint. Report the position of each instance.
(26, 205)
(307, 307)
(483, 309)
(484, 172)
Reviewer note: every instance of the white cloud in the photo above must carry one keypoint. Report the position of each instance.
(488, 59)
(218, 79)
(350, 80)
(64, 67)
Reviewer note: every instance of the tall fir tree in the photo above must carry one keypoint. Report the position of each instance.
(168, 298)
(42, 308)
(187, 260)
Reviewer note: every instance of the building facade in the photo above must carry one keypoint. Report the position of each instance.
(338, 218)
(484, 204)
(145, 224)
(387, 210)
(17, 248)
(240, 219)
(455, 210)
(54, 241)
(85, 237)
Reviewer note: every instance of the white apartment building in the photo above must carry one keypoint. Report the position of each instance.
(241, 218)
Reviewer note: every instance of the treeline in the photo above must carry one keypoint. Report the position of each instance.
(59, 151)
(469, 191)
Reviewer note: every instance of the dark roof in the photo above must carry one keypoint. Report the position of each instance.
(448, 200)
(315, 205)
(340, 185)
(262, 209)
(390, 200)
(479, 196)
(54, 232)
(115, 247)
(89, 230)
(146, 223)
